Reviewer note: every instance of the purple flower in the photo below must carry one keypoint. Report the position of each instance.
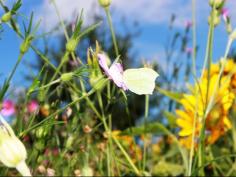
(115, 72)
(8, 108)
(225, 14)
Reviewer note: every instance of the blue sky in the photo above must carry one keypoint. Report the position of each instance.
(152, 15)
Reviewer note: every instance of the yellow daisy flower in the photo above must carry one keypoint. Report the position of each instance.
(195, 104)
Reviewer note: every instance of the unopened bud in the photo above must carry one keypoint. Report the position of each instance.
(26, 44)
(229, 28)
(104, 3)
(71, 45)
(69, 142)
(41, 132)
(233, 35)
(214, 17)
(67, 76)
(98, 83)
(216, 3)
(6, 17)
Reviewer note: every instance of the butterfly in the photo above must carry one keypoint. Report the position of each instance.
(140, 80)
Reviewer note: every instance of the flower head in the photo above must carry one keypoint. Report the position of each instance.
(8, 108)
(115, 72)
(32, 106)
(225, 14)
(195, 103)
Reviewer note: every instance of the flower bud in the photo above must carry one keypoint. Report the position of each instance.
(12, 150)
(71, 45)
(6, 17)
(98, 83)
(67, 76)
(104, 3)
(216, 3)
(41, 132)
(214, 17)
(233, 35)
(69, 142)
(26, 44)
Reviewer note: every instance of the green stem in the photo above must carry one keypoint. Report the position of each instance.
(126, 156)
(15, 67)
(108, 14)
(210, 105)
(207, 63)
(195, 76)
(194, 38)
(60, 19)
(145, 126)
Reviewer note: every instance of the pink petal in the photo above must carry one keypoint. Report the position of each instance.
(115, 72)
(225, 13)
(102, 60)
(8, 108)
(32, 106)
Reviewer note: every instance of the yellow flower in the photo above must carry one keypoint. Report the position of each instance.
(195, 104)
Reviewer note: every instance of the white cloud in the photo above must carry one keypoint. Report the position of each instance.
(144, 11)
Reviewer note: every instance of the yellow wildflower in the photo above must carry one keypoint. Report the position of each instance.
(196, 103)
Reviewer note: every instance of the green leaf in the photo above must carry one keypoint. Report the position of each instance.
(79, 23)
(16, 7)
(172, 95)
(4, 89)
(151, 127)
(89, 29)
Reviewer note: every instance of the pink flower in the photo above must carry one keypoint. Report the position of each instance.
(115, 72)
(225, 14)
(8, 108)
(32, 106)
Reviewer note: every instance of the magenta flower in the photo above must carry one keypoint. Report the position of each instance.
(8, 108)
(32, 106)
(115, 72)
(225, 14)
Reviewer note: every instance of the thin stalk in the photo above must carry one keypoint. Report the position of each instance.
(60, 19)
(15, 67)
(126, 156)
(210, 105)
(207, 63)
(145, 126)
(108, 14)
(194, 35)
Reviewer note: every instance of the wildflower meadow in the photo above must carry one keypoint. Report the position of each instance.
(88, 107)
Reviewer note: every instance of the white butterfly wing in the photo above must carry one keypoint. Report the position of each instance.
(140, 81)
